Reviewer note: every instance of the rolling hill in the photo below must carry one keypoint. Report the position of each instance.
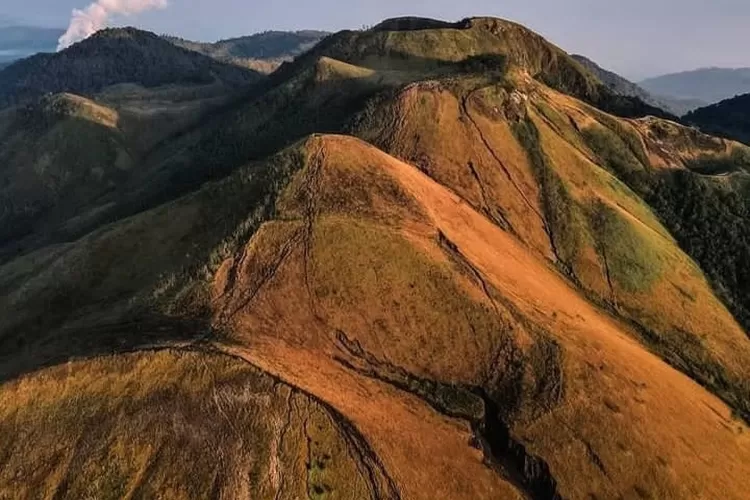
(110, 57)
(728, 118)
(426, 260)
(263, 52)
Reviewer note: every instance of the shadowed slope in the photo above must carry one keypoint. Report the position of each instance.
(110, 57)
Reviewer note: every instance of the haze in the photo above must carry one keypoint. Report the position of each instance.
(639, 38)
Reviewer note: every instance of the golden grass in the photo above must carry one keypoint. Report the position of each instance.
(438, 267)
(167, 425)
(628, 423)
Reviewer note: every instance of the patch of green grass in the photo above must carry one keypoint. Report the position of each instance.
(613, 151)
(565, 220)
(626, 133)
(368, 269)
(633, 258)
(736, 161)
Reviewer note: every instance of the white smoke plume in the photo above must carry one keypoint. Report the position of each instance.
(88, 21)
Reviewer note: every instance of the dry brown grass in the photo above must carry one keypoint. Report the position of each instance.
(169, 425)
(629, 424)
(430, 261)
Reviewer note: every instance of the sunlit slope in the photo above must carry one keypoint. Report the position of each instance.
(558, 362)
(426, 325)
(174, 425)
(547, 169)
(480, 287)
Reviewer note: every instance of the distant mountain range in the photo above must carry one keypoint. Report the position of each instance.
(263, 52)
(657, 91)
(622, 85)
(17, 42)
(704, 86)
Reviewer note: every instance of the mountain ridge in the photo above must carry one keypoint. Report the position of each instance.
(264, 52)
(415, 262)
(707, 85)
(728, 118)
(112, 56)
(621, 85)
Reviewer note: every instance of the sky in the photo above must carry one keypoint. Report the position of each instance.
(637, 38)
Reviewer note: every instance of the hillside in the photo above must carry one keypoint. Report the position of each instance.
(55, 186)
(704, 86)
(728, 118)
(426, 265)
(262, 52)
(113, 56)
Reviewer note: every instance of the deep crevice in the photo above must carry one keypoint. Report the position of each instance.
(505, 454)
(499, 446)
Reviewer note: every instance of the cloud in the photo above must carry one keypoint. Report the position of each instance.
(86, 22)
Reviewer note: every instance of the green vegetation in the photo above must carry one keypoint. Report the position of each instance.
(616, 154)
(566, 224)
(625, 132)
(737, 161)
(633, 261)
(46, 170)
(110, 57)
(707, 216)
(729, 118)
(712, 224)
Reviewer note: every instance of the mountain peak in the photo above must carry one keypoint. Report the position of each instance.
(126, 32)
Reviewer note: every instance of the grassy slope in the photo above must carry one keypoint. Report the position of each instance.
(44, 166)
(118, 426)
(435, 310)
(387, 319)
(392, 263)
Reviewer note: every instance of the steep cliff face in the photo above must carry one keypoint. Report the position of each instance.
(444, 274)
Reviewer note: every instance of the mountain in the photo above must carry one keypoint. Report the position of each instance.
(17, 42)
(263, 52)
(113, 56)
(619, 84)
(419, 261)
(704, 86)
(623, 86)
(728, 118)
